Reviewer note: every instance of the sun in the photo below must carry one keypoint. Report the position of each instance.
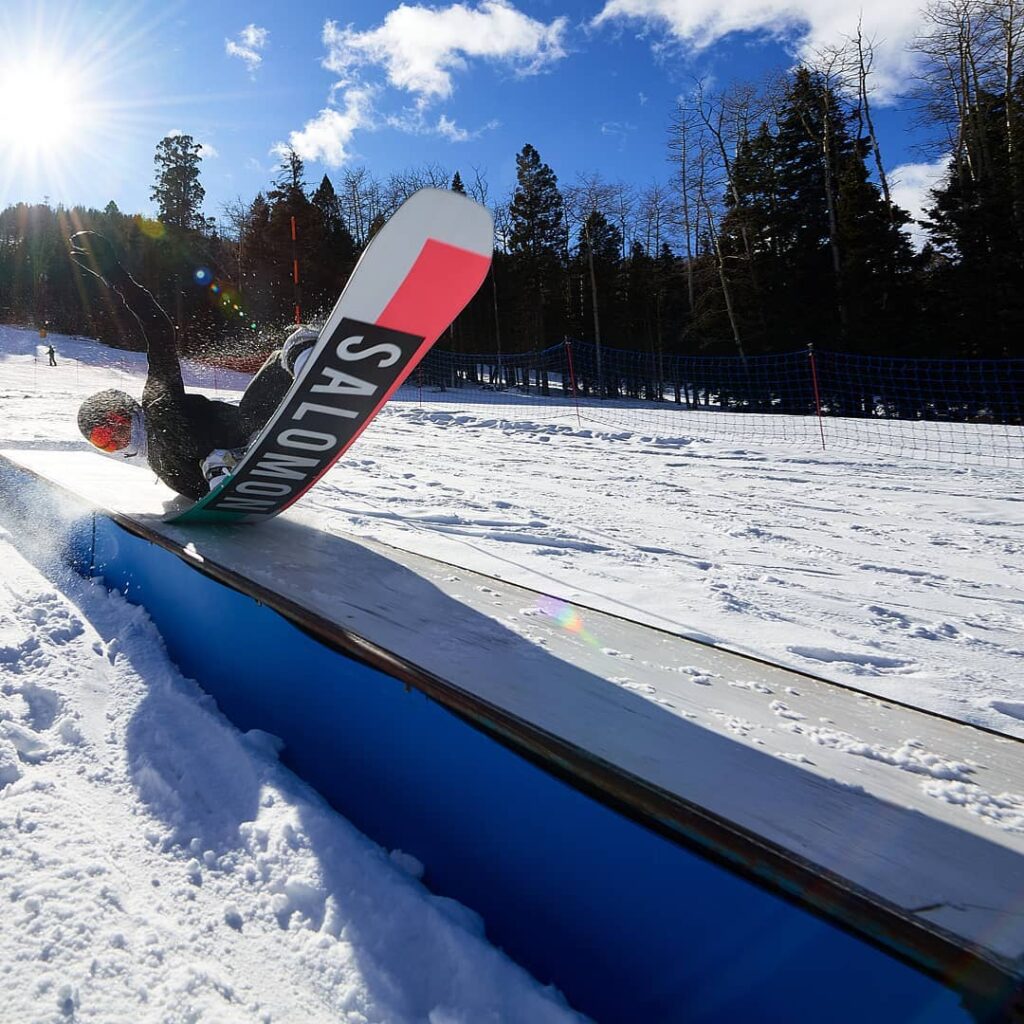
(82, 93)
(45, 110)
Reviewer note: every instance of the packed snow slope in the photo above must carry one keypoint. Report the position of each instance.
(902, 578)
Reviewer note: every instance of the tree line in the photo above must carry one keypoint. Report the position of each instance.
(776, 229)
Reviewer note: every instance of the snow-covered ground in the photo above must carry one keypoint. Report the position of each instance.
(157, 865)
(902, 578)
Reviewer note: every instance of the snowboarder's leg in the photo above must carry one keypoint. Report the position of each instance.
(296, 349)
(264, 394)
(267, 389)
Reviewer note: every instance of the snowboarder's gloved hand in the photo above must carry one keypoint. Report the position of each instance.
(296, 349)
(95, 254)
(220, 464)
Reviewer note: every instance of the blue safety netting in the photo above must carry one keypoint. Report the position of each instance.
(962, 411)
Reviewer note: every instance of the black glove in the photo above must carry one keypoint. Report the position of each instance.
(95, 254)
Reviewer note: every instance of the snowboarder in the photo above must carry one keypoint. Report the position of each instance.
(52, 355)
(191, 442)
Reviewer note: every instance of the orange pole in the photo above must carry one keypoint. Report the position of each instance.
(295, 273)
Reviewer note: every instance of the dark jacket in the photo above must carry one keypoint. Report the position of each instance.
(181, 428)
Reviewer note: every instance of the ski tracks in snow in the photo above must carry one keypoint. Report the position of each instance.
(899, 577)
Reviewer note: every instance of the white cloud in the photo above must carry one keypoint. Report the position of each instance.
(618, 128)
(808, 24)
(327, 137)
(420, 47)
(451, 131)
(251, 41)
(413, 121)
(910, 185)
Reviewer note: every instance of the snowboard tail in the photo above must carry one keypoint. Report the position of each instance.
(393, 309)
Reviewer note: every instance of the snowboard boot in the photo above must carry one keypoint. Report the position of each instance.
(220, 464)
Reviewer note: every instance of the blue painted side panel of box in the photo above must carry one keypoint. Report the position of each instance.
(631, 927)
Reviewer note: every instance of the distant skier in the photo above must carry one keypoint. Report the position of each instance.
(52, 355)
(189, 441)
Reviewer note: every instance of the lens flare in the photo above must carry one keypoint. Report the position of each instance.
(567, 617)
(150, 228)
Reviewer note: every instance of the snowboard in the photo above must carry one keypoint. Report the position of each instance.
(417, 274)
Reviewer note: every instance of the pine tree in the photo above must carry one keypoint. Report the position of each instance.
(598, 252)
(336, 256)
(808, 286)
(750, 233)
(266, 295)
(177, 192)
(536, 211)
(290, 184)
(536, 241)
(978, 292)
(876, 258)
(457, 185)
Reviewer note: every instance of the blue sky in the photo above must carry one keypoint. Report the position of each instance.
(88, 88)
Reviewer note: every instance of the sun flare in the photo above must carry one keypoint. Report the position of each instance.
(44, 106)
(78, 99)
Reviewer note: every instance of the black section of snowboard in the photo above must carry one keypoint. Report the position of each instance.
(340, 390)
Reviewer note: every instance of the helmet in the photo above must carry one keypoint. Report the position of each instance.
(105, 419)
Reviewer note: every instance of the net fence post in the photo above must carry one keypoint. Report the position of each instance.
(817, 392)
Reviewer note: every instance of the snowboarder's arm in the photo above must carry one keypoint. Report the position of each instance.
(93, 253)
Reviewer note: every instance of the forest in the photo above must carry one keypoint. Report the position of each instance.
(774, 229)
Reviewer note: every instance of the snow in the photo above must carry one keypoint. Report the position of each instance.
(902, 578)
(156, 864)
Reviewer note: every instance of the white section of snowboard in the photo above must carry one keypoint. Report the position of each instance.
(429, 213)
(710, 726)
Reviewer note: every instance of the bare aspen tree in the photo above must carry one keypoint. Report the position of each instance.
(1008, 16)
(621, 204)
(402, 184)
(238, 214)
(684, 131)
(865, 50)
(360, 201)
(965, 55)
(478, 188)
(726, 118)
(653, 209)
(831, 69)
(590, 195)
(502, 232)
(654, 214)
(708, 184)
